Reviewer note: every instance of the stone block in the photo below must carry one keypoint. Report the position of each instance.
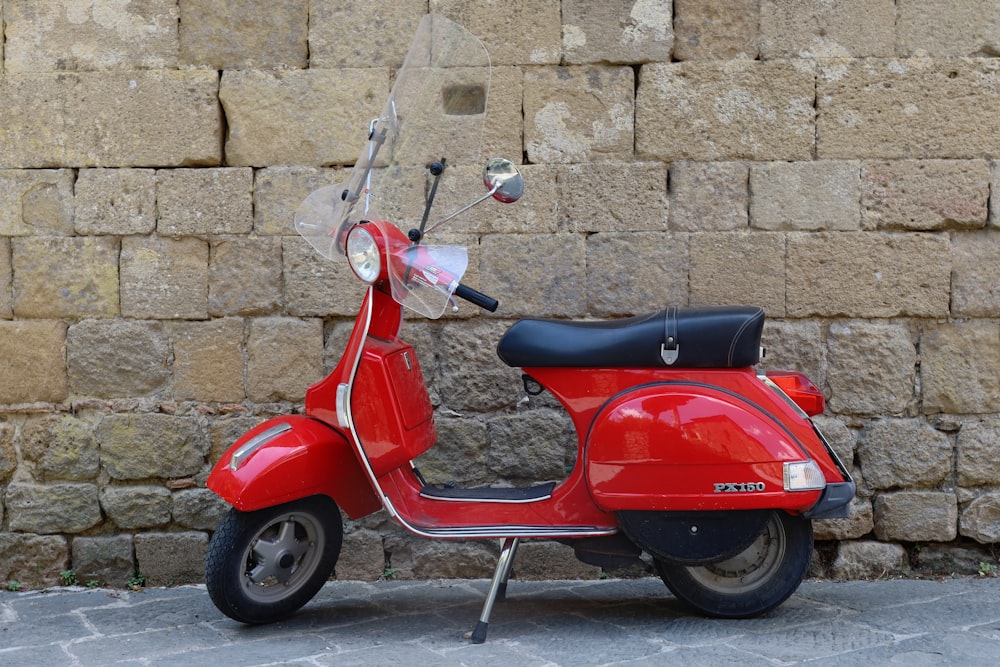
(806, 196)
(146, 446)
(519, 32)
(108, 560)
(115, 201)
(33, 560)
(6, 281)
(415, 558)
(709, 196)
(8, 455)
(224, 432)
(859, 522)
(503, 133)
(925, 195)
(117, 358)
(168, 559)
(537, 211)
(868, 275)
(848, 29)
(760, 279)
(132, 507)
(916, 516)
(68, 277)
(36, 202)
(315, 285)
(192, 202)
(61, 446)
(31, 360)
(960, 367)
(634, 272)
(579, 113)
(947, 107)
(305, 117)
(796, 345)
(164, 278)
(841, 438)
(977, 448)
(981, 519)
(540, 560)
(111, 119)
(244, 276)
(362, 556)
(622, 31)
(869, 559)
(459, 456)
(994, 217)
(530, 446)
(975, 274)
(52, 508)
(872, 368)
(199, 509)
(609, 196)
(208, 360)
(470, 376)
(278, 191)
(717, 111)
(367, 33)
(725, 30)
(903, 454)
(951, 560)
(939, 28)
(68, 35)
(241, 35)
(284, 357)
(541, 275)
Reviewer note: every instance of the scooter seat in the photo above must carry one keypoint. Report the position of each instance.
(717, 337)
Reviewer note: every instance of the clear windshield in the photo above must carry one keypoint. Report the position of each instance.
(435, 113)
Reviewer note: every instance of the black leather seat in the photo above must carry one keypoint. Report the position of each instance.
(719, 337)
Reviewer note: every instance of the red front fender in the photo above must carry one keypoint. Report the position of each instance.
(291, 457)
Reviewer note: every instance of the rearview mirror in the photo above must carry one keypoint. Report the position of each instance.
(504, 180)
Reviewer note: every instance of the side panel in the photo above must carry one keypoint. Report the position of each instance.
(303, 458)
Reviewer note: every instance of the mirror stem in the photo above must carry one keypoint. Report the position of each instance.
(462, 210)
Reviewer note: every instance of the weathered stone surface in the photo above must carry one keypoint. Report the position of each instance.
(167, 559)
(872, 368)
(868, 275)
(61, 447)
(65, 277)
(115, 201)
(244, 276)
(111, 119)
(224, 432)
(947, 107)
(925, 195)
(609, 197)
(818, 195)
(278, 191)
(854, 28)
(626, 272)
(208, 360)
(916, 516)
(143, 446)
(703, 110)
(306, 117)
(315, 285)
(538, 211)
(542, 275)
(284, 357)
(981, 519)
(960, 367)
(945, 559)
(975, 275)
(903, 453)
(531, 446)
(622, 31)
(459, 456)
(436, 559)
(199, 509)
(68, 35)
(760, 279)
(6, 280)
(367, 33)
(841, 438)
(52, 508)
(540, 560)
(868, 559)
(493, 385)
(31, 361)
(32, 560)
(518, 32)
(36, 201)
(578, 114)
(106, 560)
(240, 35)
(796, 345)
(132, 507)
(194, 202)
(858, 523)
(8, 454)
(709, 196)
(117, 358)
(978, 452)
(164, 278)
(994, 217)
(943, 28)
(362, 556)
(710, 30)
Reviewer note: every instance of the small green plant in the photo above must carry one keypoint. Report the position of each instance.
(136, 581)
(13, 586)
(987, 569)
(388, 574)
(68, 577)
(93, 583)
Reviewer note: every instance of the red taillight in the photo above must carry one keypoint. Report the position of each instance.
(801, 390)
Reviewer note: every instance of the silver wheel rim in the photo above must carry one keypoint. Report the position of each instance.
(751, 568)
(280, 559)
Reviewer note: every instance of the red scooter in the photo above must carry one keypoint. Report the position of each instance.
(685, 451)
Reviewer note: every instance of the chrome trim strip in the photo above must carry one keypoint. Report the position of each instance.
(247, 449)
(504, 501)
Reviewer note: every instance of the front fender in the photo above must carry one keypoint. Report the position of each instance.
(292, 457)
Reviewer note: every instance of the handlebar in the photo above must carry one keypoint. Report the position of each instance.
(477, 298)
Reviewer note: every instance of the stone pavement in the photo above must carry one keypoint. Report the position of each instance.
(612, 622)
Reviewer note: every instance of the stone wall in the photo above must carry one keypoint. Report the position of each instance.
(832, 162)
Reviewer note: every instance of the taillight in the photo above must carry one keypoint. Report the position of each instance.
(800, 389)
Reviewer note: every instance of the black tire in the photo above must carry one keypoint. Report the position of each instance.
(752, 582)
(262, 566)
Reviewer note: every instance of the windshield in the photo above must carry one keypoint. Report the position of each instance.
(434, 114)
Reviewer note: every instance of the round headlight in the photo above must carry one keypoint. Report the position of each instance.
(363, 255)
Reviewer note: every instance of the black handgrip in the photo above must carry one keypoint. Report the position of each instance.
(477, 298)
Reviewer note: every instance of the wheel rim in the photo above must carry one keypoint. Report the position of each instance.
(281, 558)
(749, 569)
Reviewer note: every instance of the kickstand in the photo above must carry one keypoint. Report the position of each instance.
(498, 588)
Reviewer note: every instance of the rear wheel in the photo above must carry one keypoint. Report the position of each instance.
(262, 566)
(752, 582)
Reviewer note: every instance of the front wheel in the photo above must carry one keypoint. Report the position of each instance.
(752, 582)
(262, 566)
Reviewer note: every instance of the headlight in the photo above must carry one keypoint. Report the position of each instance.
(363, 255)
